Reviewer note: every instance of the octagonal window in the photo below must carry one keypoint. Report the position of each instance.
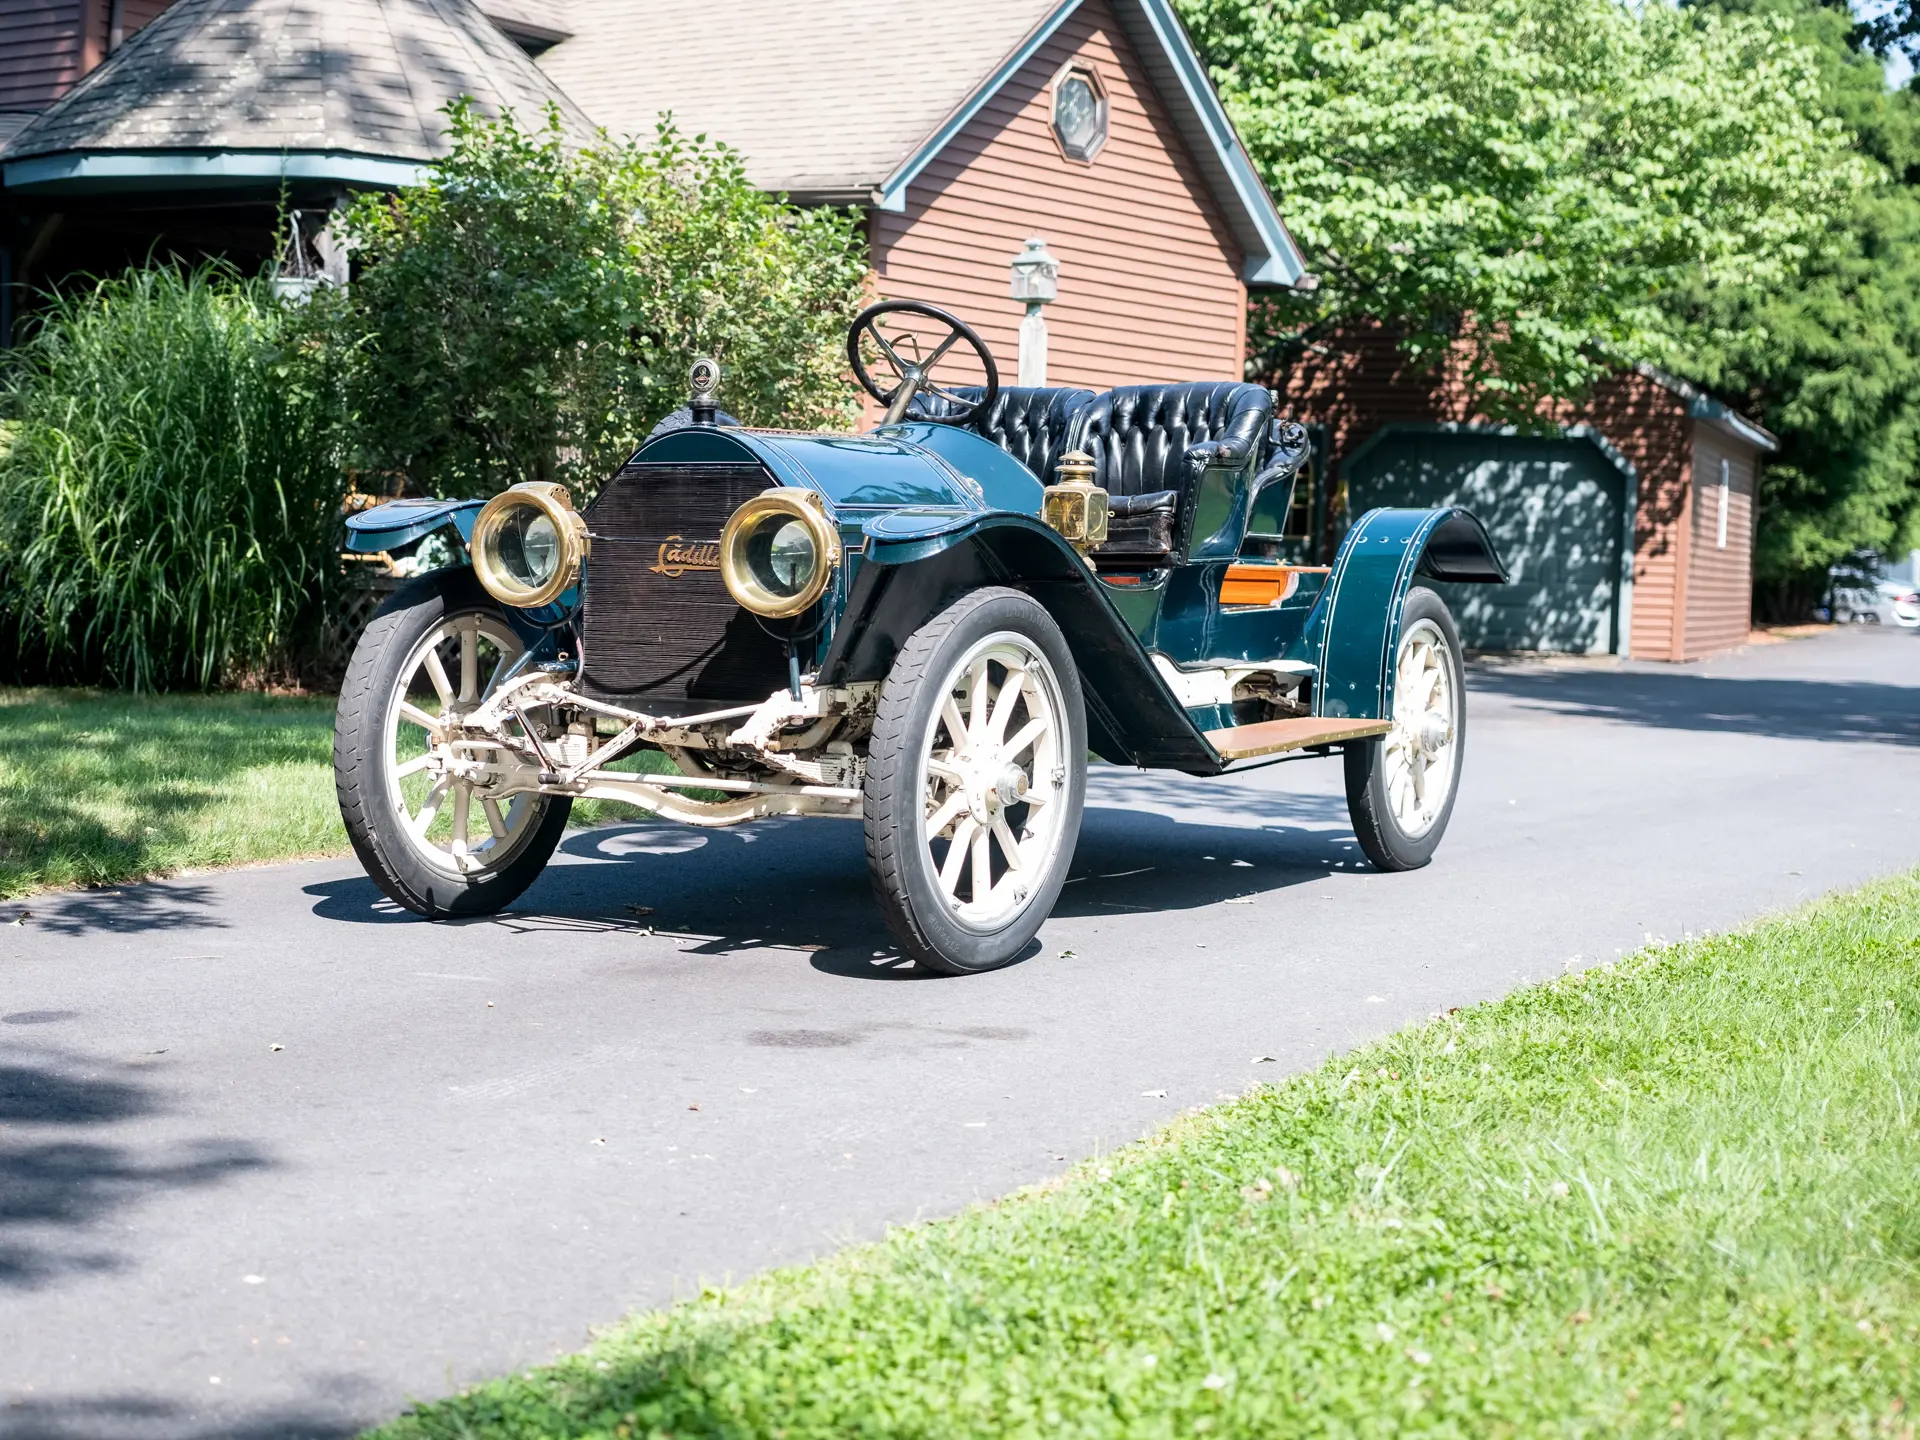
(1079, 112)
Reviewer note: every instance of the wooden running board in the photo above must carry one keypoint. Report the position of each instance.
(1270, 737)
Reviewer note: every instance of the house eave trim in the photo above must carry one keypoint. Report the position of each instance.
(1703, 406)
(1272, 258)
(96, 171)
(893, 190)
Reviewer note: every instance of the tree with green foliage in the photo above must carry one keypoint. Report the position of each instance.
(1534, 177)
(1830, 363)
(529, 312)
(169, 485)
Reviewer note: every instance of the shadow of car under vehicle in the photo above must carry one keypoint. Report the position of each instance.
(801, 886)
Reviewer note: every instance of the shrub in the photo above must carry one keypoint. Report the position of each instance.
(529, 312)
(169, 492)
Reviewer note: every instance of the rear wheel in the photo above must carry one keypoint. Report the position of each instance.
(1401, 786)
(434, 839)
(975, 781)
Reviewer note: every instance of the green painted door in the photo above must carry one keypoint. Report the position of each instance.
(1553, 507)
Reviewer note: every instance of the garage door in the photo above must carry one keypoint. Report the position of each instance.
(1553, 507)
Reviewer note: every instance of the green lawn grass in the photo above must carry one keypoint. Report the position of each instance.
(1674, 1196)
(100, 787)
(97, 787)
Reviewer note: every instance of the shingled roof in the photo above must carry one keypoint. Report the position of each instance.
(237, 82)
(823, 97)
(847, 101)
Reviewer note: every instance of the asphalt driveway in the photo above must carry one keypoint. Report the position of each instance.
(275, 1158)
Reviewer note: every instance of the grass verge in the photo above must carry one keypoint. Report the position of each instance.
(1673, 1196)
(100, 787)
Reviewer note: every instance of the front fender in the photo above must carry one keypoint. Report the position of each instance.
(1354, 630)
(916, 566)
(389, 526)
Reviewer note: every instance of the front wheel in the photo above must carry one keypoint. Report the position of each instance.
(975, 780)
(1400, 787)
(425, 822)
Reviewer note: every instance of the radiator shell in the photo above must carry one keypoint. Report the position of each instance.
(658, 630)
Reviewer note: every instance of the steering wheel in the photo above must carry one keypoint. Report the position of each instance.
(913, 375)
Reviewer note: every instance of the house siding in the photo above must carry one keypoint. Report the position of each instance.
(1150, 284)
(1358, 382)
(47, 46)
(1719, 579)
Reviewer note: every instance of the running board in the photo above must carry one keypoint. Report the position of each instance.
(1270, 737)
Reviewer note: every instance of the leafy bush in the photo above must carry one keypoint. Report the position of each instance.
(530, 311)
(169, 494)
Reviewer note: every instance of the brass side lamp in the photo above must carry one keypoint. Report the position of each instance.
(1075, 506)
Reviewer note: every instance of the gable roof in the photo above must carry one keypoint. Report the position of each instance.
(847, 101)
(221, 90)
(1715, 412)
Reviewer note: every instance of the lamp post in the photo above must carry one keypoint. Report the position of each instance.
(1036, 280)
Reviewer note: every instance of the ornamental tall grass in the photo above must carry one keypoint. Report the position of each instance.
(169, 486)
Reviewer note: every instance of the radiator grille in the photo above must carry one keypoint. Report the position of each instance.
(666, 642)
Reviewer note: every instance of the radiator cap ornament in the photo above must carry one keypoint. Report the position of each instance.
(704, 381)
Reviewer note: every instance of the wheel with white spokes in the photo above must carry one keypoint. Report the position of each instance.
(976, 776)
(436, 820)
(1401, 786)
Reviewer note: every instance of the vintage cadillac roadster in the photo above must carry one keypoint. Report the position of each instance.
(925, 627)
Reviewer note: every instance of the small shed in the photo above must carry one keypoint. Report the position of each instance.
(1627, 521)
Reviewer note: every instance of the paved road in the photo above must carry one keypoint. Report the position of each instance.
(274, 1159)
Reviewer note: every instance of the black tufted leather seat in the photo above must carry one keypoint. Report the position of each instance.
(1150, 445)
(1030, 424)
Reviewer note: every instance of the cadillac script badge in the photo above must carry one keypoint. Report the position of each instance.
(679, 555)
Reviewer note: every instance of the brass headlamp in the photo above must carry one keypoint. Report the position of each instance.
(529, 544)
(778, 551)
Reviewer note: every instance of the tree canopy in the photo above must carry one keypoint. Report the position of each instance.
(1831, 362)
(1725, 189)
(529, 311)
(1536, 176)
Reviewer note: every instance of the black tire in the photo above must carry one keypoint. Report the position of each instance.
(935, 930)
(1389, 840)
(361, 737)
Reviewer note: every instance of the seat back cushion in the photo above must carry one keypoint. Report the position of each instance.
(1030, 423)
(1139, 435)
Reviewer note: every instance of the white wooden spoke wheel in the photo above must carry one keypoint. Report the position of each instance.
(438, 786)
(425, 807)
(991, 779)
(1419, 752)
(976, 774)
(1401, 786)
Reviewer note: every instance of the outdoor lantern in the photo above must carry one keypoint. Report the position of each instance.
(1036, 280)
(1036, 274)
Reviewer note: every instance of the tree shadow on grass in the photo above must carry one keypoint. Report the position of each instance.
(101, 787)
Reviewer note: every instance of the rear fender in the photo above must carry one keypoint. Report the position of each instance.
(912, 571)
(1354, 630)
